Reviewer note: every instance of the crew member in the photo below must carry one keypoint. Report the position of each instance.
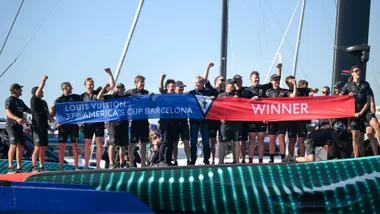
(97, 129)
(214, 125)
(169, 132)
(197, 125)
(14, 110)
(40, 125)
(140, 128)
(278, 128)
(67, 130)
(320, 138)
(118, 134)
(230, 130)
(238, 80)
(361, 91)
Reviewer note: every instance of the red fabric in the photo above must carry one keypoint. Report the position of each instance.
(281, 109)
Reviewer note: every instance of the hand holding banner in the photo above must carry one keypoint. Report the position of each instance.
(200, 107)
(282, 109)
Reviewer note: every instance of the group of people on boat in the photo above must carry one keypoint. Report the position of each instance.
(333, 134)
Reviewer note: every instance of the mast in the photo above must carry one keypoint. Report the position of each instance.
(126, 46)
(298, 38)
(224, 40)
(282, 41)
(351, 38)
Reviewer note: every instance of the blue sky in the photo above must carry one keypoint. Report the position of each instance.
(177, 38)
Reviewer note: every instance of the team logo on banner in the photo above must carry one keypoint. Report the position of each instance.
(204, 103)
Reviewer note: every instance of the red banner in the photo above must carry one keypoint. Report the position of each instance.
(281, 109)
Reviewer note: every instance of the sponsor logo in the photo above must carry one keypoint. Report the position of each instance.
(204, 103)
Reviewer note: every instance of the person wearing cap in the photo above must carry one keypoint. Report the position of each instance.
(197, 125)
(257, 129)
(298, 129)
(238, 80)
(67, 130)
(323, 137)
(118, 136)
(139, 128)
(214, 125)
(183, 129)
(278, 128)
(14, 110)
(230, 131)
(40, 124)
(338, 87)
(97, 129)
(361, 91)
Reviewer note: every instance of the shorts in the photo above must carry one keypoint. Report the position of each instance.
(119, 134)
(276, 128)
(214, 127)
(40, 136)
(243, 131)
(297, 128)
(362, 122)
(93, 128)
(140, 131)
(183, 131)
(256, 127)
(16, 134)
(230, 131)
(65, 131)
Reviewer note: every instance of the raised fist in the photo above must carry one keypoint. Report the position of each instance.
(44, 77)
(210, 64)
(279, 65)
(107, 70)
(163, 76)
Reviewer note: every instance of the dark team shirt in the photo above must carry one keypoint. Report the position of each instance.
(68, 99)
(360, 93)
(137, 92)
(240, 91)
(113, 125)
(279, 92)
(303, 92)
(90, 97)
(259, 90)
(17, 108)
(40, 111)
(215, 92)
(323, 137)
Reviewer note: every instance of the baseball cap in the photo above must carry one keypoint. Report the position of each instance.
(180, 84)
(230, 81)
(15, 86)
(274, 76)
(120, 85)
(339, 85)
(236, 77)
(34, 89)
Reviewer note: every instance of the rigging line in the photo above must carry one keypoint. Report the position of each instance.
(279, 26)
(10, 30)
(43, 22)
(327, 22)
(375, 75)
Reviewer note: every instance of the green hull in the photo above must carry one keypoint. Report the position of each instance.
(345, 186)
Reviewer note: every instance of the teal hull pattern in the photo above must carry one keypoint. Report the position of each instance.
(27, 166)
(339, 186)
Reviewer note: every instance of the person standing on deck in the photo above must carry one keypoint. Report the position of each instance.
(97, 129)
(14, 110)
(40, 125)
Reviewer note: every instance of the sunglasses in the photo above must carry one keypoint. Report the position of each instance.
(356, 71)
(325, 92)
(222, 80)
